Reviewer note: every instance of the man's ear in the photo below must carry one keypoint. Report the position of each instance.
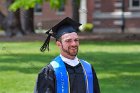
(58, 43)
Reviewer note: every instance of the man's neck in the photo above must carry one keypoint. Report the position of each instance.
(68, 56)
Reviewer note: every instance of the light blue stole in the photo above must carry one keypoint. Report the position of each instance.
(62, 79)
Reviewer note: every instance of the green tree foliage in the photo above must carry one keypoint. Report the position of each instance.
(26, 4)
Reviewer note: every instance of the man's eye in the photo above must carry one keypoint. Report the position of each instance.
(76, 39)
(68, 40)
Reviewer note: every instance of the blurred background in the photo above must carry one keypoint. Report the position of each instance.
(110, 41)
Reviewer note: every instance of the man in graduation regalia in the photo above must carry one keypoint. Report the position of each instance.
(66, 73)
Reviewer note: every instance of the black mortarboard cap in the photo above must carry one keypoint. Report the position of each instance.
(67, 25)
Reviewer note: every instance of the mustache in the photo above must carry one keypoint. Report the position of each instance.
(76, 47)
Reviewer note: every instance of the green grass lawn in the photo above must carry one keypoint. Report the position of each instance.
(117, 65)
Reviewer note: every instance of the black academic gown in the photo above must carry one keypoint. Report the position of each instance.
(46, 82)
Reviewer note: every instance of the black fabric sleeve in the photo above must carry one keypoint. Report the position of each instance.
(46, 81)
(96, 84)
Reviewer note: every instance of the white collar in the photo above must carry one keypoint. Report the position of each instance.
(70, 62)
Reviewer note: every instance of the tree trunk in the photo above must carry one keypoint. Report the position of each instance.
(28, 21)
(2, 18)
(13, 24)
(75, 10)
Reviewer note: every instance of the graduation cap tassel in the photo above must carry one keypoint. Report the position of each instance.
(46, 44)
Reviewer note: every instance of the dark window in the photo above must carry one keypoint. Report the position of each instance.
(62, 7)
(38, 8)
(135, 3)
